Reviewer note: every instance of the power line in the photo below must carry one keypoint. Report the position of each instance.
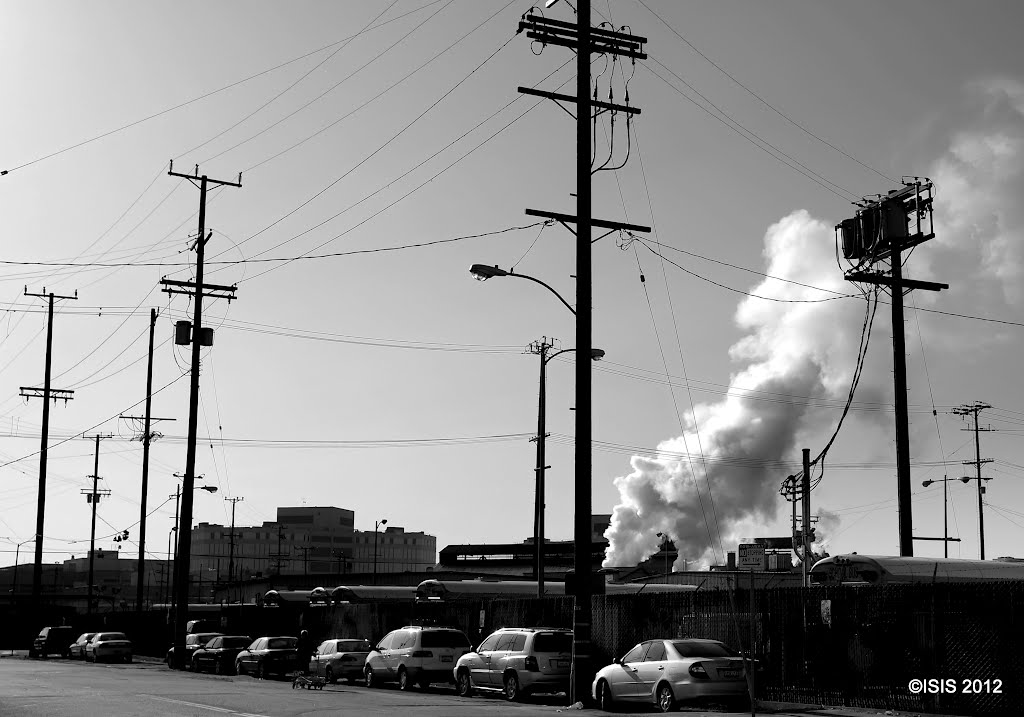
(761, 99)
(201, 97)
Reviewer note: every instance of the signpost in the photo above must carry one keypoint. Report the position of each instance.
(751, 557)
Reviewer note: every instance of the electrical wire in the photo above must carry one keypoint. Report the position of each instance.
(761, 99)
(198, 98)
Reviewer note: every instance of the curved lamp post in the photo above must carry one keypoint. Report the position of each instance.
(483, 272)
(376, 527)
(538, 515)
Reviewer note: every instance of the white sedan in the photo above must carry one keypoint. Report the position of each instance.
(663, 672)
(108, 646)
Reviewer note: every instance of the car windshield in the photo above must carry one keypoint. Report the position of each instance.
(235, 642)
(353, 646)
(281, 643)
(700, 648)
(444, 638)
(552, 642)
(112, 636)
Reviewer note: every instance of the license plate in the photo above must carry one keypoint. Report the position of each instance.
(730, 674)
(446, 658)
(561, 663)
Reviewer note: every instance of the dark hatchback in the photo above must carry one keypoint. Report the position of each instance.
(218, 655)
(269, 656)
(53, 640)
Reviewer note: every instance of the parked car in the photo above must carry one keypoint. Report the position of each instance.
(192, 643)
(517, 661)
(268, 656)
(77, 649)
(664, 672)
(108, 646)
(415, 655)
(218, 655)
(339, 659)
(52, 640)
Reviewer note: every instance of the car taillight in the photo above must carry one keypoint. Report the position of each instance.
(697, 670)
(422, 653)
(531, 664)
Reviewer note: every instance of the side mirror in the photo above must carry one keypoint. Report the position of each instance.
(616, 660)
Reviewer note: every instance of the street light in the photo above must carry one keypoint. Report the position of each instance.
(538, 509)
(376, 527)
(483, 272)
(945, 509)
(17, 550)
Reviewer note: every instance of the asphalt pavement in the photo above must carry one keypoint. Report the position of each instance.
(147, 688)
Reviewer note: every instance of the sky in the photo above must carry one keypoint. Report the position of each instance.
(384, 149)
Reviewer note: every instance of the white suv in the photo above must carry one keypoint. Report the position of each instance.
(518, 661)
(415, 655)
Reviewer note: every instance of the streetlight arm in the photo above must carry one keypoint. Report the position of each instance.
(548, 287)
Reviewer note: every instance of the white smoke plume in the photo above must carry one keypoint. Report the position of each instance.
(722, 475)
(809, 349)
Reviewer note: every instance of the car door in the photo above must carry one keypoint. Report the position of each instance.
(201, 658)
(624, 679)
(479, 662)
(377, 659)
(324, 657)
(497, 659)
(247, 657)
(650, 670)
(401, 641)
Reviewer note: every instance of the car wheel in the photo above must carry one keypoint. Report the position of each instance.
(329, 675)
(666, 700)
(371, 680)
(604, 697)
(404, 683)
(464, 684)
(513, 693)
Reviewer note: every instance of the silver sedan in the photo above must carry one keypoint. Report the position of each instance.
(664, 672)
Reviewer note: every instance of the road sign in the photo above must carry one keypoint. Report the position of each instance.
(751, 557)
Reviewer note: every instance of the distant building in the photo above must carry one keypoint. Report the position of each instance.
(306, 541)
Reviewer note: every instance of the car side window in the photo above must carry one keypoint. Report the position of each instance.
(402, 639)
(488, 644)
(505, 642)
(656, 653)
(214, 643)
(636, 654)
(385, 644)
(518, 643)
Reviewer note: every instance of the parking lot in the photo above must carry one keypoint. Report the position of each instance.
(147, 688)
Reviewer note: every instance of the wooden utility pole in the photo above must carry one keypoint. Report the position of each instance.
(585, 40)
(93, 496)
(198, 339)
(146, 437)
(882, 231)
(46, 393)
(805, 502)
(231, 553)
(966, 410)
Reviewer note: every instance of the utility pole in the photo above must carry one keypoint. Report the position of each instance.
(46, 393)
(585, 40)
(278, 555)
(305, 557)
(540, 348)
(198, 339)
(880, 231)
(174, 564)
(974, 409)
(93, 496)
(146, 437)
(231, 554)
(805, 496)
